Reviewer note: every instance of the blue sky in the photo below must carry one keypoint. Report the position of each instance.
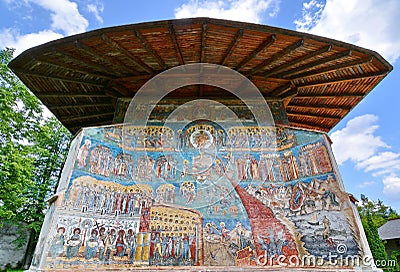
(366, 142)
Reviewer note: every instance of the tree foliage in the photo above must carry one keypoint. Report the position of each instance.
(33, 149)
(373, 215)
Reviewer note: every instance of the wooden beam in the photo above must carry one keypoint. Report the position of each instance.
(294, 62)
(84, 72)
(315, 64)
(310, 125)
(289, 94)
(282, 89)
(113, 62)
(265, 44)
(343, 79)
(277, 56)
(79, 105)
(86, 63)
(319, 95)
(73, 95)
(82, 117)
(318, 106)
(149, 49)
(203, 41)
(79, 125)
(136, 61)
(312, 115)
(232, 45)
(175, 44)
(334, 68)
(61, 78)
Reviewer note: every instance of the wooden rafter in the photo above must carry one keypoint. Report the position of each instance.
(315, 64)
(73, 70)
(294, 62)
(73, 95)
(318, 106)
(333, 68)
(319, 95)
(136, 61)
(265, 44)
(61, 78)
(281, 90)
(277, 56)
(343, 79)
(310, 125)
(232, 45)
(175, 44)
(79, 105)
(86, 63)
(203, 42)
(78, 125)
(150, 49)
(68, 119)
(299, 113)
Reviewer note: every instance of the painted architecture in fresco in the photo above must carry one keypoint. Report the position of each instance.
(208, 186)
(198, 196)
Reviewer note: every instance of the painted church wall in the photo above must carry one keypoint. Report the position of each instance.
(198, 196)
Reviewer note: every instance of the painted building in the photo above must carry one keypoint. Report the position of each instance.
(231, 181)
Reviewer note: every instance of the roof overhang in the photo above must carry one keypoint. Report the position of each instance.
(80, 77)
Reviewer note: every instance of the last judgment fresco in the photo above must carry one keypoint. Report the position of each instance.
(201, 195)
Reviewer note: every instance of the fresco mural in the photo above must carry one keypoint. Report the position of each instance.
(198, 195)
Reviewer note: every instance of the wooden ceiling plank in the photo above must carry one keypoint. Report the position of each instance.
(334, 68)
(294, 62)
(238, 36)
(79, 125)
(277, 56)
(150, 49)
(340, 80)
(265, 44)
(315, 64)
(175, 44)
(136, 61)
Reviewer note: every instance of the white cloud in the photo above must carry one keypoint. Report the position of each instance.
(65, 15)
(392, 187)
(366, 184)
(13, 39)
(356, 141)
(368, 23)
(239, 10)
(383, 162)
(96, 9)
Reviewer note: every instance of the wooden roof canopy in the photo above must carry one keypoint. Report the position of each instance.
(80, 77)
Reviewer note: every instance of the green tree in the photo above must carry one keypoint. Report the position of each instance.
(373, 215)
(33, 150)
(19, 113)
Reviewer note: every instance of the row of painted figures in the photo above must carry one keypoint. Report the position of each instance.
(106, 245)
(311, 160)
